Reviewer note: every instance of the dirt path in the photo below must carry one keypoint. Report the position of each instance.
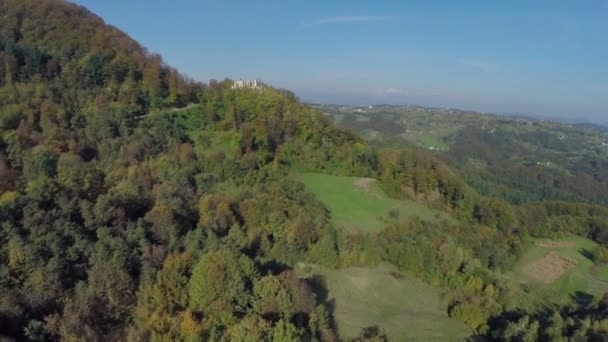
(555, 244)
(168, 111)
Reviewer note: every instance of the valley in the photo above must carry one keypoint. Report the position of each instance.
(517, 159)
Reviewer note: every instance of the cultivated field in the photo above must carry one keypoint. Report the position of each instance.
(359, 203)
(549, 268)
(403, 307)
(561, 269)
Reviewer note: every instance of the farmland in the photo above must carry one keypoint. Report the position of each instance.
(561, 269)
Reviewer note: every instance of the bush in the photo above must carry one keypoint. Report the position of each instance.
(600, 255)
(473, 315)
(10, 116)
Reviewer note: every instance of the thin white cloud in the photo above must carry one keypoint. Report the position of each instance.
(480, 65)
(389, 91)
(347, 19)
(402, 93)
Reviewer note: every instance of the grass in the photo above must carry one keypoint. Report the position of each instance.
(361, 118)
(403, 307)
(360, 203)
(210, 142)
(432, 140)
(584, 277)
(338, 118)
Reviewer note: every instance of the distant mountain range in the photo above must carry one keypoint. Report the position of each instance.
(565, 120)
(599, 127)
(574, 121)
(577, 121)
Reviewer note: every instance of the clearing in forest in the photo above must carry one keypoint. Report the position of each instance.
(549, 268)
(360, 203)
(560, 269)
(400, 305)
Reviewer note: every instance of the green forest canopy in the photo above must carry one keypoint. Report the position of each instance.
(201, 239)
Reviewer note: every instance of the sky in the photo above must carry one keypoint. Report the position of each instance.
(534, 57)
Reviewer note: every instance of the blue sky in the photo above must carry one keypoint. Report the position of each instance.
(537, 57)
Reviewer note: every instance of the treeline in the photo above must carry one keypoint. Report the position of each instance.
(586, 320)
(558, 219)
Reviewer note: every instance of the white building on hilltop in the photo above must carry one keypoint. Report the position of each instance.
(255, 84)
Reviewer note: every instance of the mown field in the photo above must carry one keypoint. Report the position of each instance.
(360, 203)
(561, 269)
(400, 305)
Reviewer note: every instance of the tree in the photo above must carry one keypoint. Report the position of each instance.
(216, 213)
(273, 298)
(42, 162)
(221, 283)
(474, 315)
(285, 332)
(251, 329)
(325, 251)
(10, 116)
(600, 255)
(170, 288)
(523, 330)
(98, 309)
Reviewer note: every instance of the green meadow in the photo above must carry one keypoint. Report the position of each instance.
(360, 203)
(400, 305)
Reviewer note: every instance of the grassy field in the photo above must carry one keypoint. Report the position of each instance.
(561, 269)
(360, 203)
(403, 307)
(432, 141)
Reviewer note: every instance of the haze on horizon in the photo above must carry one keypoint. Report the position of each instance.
(545, 58)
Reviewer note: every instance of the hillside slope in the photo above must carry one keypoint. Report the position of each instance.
(517, 159)
(124, 218)
(199, 237)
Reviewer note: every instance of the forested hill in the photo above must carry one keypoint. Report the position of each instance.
(138, 205)
(61, 64)
(120, 217)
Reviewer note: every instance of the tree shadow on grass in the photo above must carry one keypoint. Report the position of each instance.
(372, 333)
(318, 285)
(586, 253)
(582, 298)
